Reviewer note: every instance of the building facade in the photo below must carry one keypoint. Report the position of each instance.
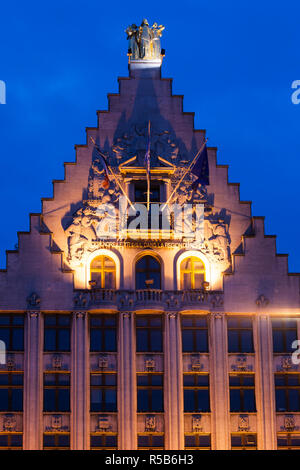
(121, 332)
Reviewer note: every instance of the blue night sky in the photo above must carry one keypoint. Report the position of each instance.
(234, 62)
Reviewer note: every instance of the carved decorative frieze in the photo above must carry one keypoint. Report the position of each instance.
(33, 300)
(286, 364)
(243, 423)
(217, 300)
(241, 364)
(196, 364)
(150, 423)
(262, 301)
(150, 364)
(10, 362)
(104, 424)
(196, 423)
(9, 423)
(57, 362)
(55, 423)
(103, 362)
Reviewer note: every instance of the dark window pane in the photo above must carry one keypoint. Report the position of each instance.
(96, 441)
(203, 400)
(63, 400)
(110, 400)
(63, 440)
(290, 337)
(143, 441)
(64, 339)
(294, 400)
(246, 341)
(16, 440)
(281, 404)
(204, 441)
(249, 400)
(156, 380)
(3, 400)
(3, 379)
(189, 400)
(17, 399)
(143, 400)
(50, 320)
(187, 340)
(96, 340)
(156, 340)
(110, 340)
(111, 441)
(96, 399)
(142, 380)
(17, 379)
(201, 341)
(235, 403)
(141, 340)
(236, 441)
(190, 441)
(157, 441)
(189, 380)
(50, 340)
(64, 320)
(202, 380)
(49, 400)
(157, 400)
(17, 339)
(49, 440)
(233, 344)
(4, 336)
(64, 379)
(4, 320)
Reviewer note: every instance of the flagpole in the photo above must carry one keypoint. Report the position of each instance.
(112, 172)
(187, 170)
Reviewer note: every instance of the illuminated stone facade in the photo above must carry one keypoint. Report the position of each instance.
(150, 342)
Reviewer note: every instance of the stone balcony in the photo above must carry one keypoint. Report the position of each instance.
(153, 300)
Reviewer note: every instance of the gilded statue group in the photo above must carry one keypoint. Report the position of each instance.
(144, 41)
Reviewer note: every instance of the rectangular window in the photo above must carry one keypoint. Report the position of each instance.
(150, 392)
(240, 335)
(197, 441)
(243, 441)
(242, 392)
(56, 441)
(194, 333)
(140, 192)
(287, 392)
(196, 392)
(12, 332)
(153, 441)
(284, 333)
(57, 392)
(104, 392)
(11, 391)
(13, 441)
(149, 333)
(103, 333)
(57, 332)
(286, 441)
(107, 441)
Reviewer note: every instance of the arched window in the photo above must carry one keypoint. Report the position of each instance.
(192, 273)
(148, 273)
(103, 272)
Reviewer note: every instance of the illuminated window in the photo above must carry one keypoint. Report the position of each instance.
(192, 273)
(103, 272)
(148, 273)
(287, 391)
(243, 441)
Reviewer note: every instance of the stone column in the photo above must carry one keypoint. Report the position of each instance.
(264, 383)
(33, 382)
(80, 416)
(219, 383)
(127, 394)
(173, 384)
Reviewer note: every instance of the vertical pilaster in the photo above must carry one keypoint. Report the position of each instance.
(33, 382)
(80, 422)
(219, 383)
(173, 391)
(265, 395)
(127, 401)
